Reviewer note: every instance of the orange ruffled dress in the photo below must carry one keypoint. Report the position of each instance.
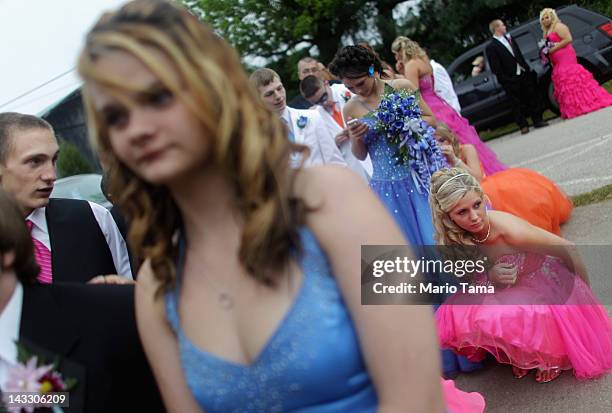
(528, 195)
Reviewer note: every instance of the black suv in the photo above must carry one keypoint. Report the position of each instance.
(483, 101)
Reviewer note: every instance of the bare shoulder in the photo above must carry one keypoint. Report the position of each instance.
(354, 109)
(321, 183)
(403, 84)
(504, 222)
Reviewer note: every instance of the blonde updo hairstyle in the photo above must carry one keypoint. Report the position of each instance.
(408, 49)
(249, 143)
(449, 186)
(554, 19)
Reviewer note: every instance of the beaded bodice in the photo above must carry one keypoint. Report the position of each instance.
(311, 363)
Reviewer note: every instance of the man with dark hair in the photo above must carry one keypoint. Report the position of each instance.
(515, 76)
(329, 101)
(303, 126)
(89, 331)
(74, 240)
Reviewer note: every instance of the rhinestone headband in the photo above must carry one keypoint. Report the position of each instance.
(444, 184)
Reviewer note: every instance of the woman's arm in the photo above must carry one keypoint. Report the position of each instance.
(564, 33)
(522, 234)
(160, 345)
(472, 162)
(398, 342)
(357, 130)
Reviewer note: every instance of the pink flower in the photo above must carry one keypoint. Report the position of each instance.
(25, 378)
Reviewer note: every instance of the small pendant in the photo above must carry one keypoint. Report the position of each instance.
(226, 301)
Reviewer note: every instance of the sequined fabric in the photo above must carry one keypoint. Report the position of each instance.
(393, 184)
(312, 363)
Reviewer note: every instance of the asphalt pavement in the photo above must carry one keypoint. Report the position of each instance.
(577, 155)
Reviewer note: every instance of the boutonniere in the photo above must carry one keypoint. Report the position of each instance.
(302, 121)
(346, 96)
(33, 374)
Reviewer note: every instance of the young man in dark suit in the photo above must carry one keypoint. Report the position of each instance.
(90, 330)
(516, 77)
(74, 240)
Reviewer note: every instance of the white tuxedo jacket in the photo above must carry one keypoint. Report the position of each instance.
(339, 95)
(309, 130)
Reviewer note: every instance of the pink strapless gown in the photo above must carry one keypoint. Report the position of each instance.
(520, 326)
(459, 125)
(576, 91)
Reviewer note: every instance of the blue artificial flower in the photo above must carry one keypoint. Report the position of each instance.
(302, 121)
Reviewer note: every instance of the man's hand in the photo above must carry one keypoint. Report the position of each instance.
(111, 279)
(342, 137)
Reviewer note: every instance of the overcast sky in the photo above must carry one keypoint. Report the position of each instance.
(40, 40)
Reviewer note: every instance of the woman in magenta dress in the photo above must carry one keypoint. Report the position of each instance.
(576, 91)
(418, 70)
(542, 313)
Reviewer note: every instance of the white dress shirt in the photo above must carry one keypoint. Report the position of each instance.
(114, 239)
(339, 94)
(314, 134)
(443, 85)
(503, 40)
(10, 318)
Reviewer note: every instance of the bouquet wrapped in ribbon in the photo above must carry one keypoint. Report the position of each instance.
(545, 45)
(398, 119)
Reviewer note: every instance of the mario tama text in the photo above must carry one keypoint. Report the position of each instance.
(401, 275)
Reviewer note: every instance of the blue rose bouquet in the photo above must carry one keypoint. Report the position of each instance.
(398, 118)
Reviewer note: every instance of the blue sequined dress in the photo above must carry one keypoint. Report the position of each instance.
(312, 363)
(395, 187)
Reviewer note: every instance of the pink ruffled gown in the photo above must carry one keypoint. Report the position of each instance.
(548, 319)
(459, 125)
(576, 91)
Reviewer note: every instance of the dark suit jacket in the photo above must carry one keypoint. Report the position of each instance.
(92, 330)
(502, 63)
(78, 248)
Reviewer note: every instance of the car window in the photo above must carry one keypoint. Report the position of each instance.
(577, 26)
(527, 43)
(465, 69)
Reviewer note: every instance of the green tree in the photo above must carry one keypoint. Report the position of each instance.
(283, 31)
(71, 161)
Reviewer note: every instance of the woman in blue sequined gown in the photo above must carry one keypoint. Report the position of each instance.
(249, 299)
(360, 71)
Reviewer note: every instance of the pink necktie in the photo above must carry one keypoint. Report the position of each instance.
(43, 258)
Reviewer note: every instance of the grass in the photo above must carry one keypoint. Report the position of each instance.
(513, 127)
(597, 195)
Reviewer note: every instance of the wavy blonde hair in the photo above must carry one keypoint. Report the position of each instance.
(408, 49)
(249, 145)
(553, 18)
(446, 190)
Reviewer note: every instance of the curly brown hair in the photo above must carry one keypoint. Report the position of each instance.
(250, 146)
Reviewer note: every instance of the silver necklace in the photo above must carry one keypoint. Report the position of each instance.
(480, 241)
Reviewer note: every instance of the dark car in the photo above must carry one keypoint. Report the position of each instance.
(484, 102)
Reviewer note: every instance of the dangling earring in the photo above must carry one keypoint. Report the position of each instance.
(371, 71)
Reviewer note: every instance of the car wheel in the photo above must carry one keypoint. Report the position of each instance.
(552, 102)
